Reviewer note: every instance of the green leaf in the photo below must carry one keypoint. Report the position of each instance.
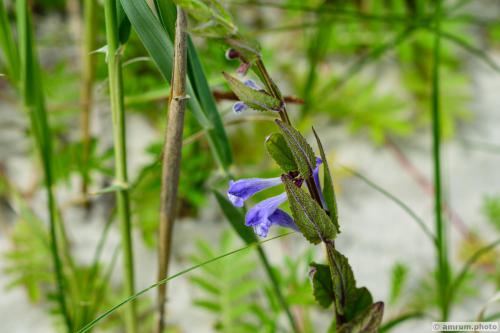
(311, 219)
(322, 284)
(217, 135)
(349, 300)
(367, 322)
(280, 152)
(399, 276)
(209, 305)
(206, 285)
(328, 189)
(302, 151)
(341, 287)
(357, 302)
(124, 26)
(256, 99)
(9, 48)
(236, 218)
(156, 41)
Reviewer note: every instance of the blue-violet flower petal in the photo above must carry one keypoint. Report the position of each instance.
(242, 189)
(260, 212)
(239, 107)
(316, 180)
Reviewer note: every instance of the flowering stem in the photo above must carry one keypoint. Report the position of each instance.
(311, 184)
(275, 91)
(272, 88)
(122, 195)
(172, 153)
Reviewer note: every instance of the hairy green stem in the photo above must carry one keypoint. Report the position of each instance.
(122, 195)
(311, 184)
(440, 225)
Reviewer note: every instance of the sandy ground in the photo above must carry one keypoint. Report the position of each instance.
(376, 232)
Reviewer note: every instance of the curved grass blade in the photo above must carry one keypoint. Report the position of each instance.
(465, 269)
(397, 201)
(94, 322)
(386, 327)
(480, 54)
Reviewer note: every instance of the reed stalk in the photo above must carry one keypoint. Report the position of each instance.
(172, 154)
(121, 177)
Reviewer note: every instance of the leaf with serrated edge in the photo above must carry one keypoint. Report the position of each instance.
(302, 151)
(280, 152)
(322, 284)
(311, 219)
(343, 278)
(367, 322)
(256, 99)
(357, 302)
(328, 189)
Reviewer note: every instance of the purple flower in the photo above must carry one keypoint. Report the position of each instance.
(241, 106)
(316, 180)
(242, 189)
(266, 213)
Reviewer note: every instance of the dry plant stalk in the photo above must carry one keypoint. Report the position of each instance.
(172, 153)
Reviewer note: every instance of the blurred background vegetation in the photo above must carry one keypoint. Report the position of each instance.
(364, 65)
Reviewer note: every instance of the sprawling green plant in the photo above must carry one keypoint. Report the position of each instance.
(425, 38)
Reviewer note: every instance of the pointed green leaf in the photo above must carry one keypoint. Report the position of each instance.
(341, 288)
(280, 152)
(256, 99)
(322, 284)
(302, 151)
(236, 218)
(367, 322)
(8, 47)
(328, 189)
(344, 283)
(124, 26)
(357, 302)
(311, 219)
